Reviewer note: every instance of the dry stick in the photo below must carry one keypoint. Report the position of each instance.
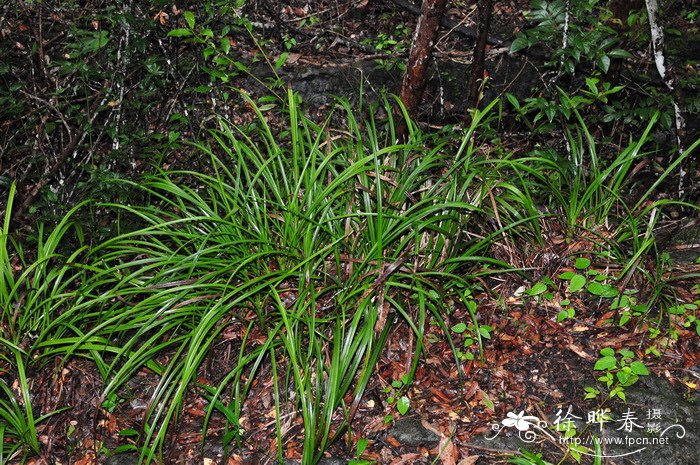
(53, 108)
(477, 71)
(40, 40)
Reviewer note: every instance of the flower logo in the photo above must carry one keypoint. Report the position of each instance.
(521, 421)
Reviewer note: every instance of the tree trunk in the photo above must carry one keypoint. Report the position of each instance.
(662, 66)
(479, 57)
(415, 78)
(667, 74)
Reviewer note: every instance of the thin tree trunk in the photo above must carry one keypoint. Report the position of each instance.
(477, 72)
(666, 73)
(657, 43)
(415, 78)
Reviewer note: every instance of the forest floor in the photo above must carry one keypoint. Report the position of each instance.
(531, 363)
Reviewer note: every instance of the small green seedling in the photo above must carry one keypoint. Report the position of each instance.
(474, 335)
(576, 280)
(566, 312)
(528, 458)
(403, 403)
(542, 289)
(592, 280)
(621, 371)
(627, 306)
(687, 314)
(359, 450)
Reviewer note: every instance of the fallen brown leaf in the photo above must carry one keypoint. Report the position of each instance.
(469, 460)
(579, 351)
(448, 451)
(89, 459)
(405, 458)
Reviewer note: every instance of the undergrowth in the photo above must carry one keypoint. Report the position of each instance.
(316, 242)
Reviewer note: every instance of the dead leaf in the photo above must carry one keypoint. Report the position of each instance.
(431, 427)
(471, 391)
(405, 459)
(580, 352)
(296, 11)
(235, 459)
(605, 317)
(161, 17)
(469, 460)
(89, 459)
(448, 451)
(293, 58)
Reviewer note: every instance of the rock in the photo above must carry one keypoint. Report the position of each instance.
(411, 432)
(123, 459)
(320, 85)
(652, 400)
(332, 461)
(324, 461)
(684, 245)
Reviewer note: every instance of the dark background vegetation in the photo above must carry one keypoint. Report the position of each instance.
(92, 91)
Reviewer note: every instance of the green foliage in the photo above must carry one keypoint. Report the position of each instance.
(393, 45)
(589, 192)
(310, 242)
(359, 450)
(621, 371)
(582, 41)
(579, 35)
(112, 94)
(528, 458)
(592, 280)
(73, 105)
(550, 112)
(474, 333)
(329, 242)
(32, 295)
(221, 61)
(396, 398)
(313, 248)
(687, 314)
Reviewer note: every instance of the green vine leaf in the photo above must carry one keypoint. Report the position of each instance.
(577, 283)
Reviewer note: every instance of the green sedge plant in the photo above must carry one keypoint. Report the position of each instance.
(328, 241)
(35, 286)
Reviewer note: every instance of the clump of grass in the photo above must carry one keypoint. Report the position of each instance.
(34, 288)
(587, 195)
(330, 238)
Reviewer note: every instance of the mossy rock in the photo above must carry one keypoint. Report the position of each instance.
(684, 245)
